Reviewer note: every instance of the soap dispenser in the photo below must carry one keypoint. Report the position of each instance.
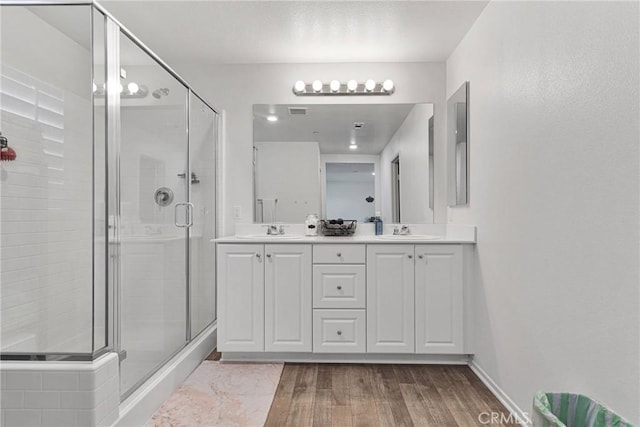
(378, 224)
(311, 225)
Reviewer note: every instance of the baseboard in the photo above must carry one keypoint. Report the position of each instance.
(144, 402)
(440, 359)
(518, 415)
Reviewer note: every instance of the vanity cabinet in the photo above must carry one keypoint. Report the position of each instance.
(240, 297)
(287, 295)
(390, 298)
(415, 299)
(439, 299)
(264, 297)
(339, 298)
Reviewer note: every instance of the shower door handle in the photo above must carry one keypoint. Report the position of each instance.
(188, 209)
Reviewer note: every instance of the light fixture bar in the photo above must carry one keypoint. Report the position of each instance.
(381, 88)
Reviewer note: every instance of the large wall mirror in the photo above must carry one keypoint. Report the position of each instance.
(344, 161)
(458, 146)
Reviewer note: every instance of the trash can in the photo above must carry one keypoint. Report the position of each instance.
(573, 410)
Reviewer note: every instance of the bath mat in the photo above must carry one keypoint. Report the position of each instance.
(221, 394)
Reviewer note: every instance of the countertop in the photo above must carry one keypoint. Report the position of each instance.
(446, 234)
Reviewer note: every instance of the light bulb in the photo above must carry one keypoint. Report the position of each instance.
(95, 88)
(373, 173)
(387, 85)
(299, 87)
(133, 87)
(352, 85)
(370, 85)
(317, 86)
(353, 147)
(272, 118)
(334, 85)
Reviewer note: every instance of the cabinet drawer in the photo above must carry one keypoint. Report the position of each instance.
(339, 254)
(339, 286)
(339, 331)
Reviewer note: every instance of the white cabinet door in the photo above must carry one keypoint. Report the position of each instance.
(390, 299)
(240, 297)
(439, 299)
(288, 297)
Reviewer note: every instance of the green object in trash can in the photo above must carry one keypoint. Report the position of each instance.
(573, 410)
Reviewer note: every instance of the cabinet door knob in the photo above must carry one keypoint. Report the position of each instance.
(420, 256)
(268, 255)
(410, 256)
(339, 332)
(339, 287)
(258, 256)
(339, 254)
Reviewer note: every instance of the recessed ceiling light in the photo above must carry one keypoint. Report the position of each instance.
(272, 118)
(353, 147)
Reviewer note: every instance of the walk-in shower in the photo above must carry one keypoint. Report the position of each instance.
(90, 263)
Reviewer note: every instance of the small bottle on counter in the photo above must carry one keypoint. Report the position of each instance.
(311, 225)
(378, 224)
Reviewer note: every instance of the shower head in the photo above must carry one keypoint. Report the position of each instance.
(160, 92)
(6, 153)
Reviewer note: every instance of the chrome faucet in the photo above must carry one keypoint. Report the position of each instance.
(403, 231)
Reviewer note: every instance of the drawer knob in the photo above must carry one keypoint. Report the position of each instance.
(410, 256)
(339, 287)
(258, 256)
(268, 255)
(339, 332)
(339, 254)
(420, 256)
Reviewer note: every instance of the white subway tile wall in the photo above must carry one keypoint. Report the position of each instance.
(46, 216)
(60, 393)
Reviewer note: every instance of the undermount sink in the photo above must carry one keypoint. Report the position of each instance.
(408, 237)
(271, 236)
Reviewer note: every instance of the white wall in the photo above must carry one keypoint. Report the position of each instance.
(554, 192)
(235, 88)
(290, 173)
(411, 144)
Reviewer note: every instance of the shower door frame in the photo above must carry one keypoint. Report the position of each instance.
(113, 31)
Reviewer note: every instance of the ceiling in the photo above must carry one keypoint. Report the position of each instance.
(243, 32)
(334, 124)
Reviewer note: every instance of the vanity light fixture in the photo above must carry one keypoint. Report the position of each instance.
(272, 118)
(133, 87)
(336, 88)
(299, 87)
(369, 85)
(131, 90)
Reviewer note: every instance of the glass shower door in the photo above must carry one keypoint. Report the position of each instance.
(154, 215)
(202, 158)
